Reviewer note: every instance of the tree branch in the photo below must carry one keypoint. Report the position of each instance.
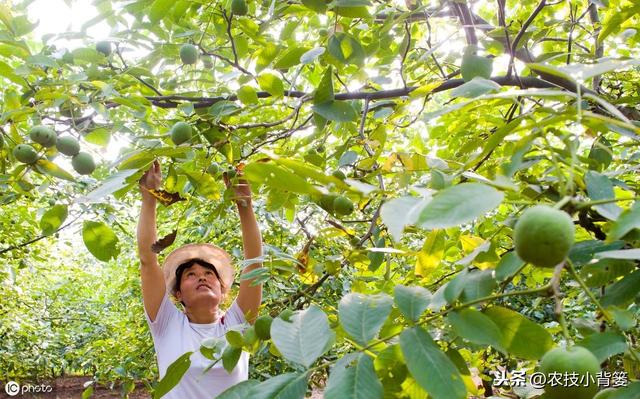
(24, 244)
(595, 20)
(523, 30)
(464, 14)
(201, 102)
(126, 70)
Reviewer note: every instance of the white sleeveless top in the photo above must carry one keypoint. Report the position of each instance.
(173, 335)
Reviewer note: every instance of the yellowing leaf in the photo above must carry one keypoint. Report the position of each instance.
(469, 242)
(431, 253)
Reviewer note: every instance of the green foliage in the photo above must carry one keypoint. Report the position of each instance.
(53, 219)
(431, 368)
(175, 371)
(100, 240)
(354, 377)
(304, 338)
(474, 65)
(390, 157)
(362, 316)
(263, 327)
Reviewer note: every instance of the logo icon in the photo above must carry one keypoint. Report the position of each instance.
(12, 388)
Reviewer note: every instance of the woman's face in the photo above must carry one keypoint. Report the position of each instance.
(199, 286)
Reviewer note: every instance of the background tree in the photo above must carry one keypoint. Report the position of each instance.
(391, 145)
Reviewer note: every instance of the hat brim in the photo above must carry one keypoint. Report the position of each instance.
(208, 253)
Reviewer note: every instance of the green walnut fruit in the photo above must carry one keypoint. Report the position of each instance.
(604, 394)
(543, 236)
(263, 327)
(286, 315)
(207, 62)
(339, 174)
(239, 7)
(25, 153)
(213, 169)
(326, 202)
(474, 65)
(83, 163)
(342, 206)
(104, 48)
(181, 132)
(69, 110)
(68, 145)
(188, 54)
(231, 173)
(43, 135)
(572, 360)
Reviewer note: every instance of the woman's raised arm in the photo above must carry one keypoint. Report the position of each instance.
(250, 296)
(153, 285)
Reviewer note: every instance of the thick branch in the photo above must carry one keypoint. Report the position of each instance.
(464, 14)
(415, 16)
(525, 56)
(201, 102)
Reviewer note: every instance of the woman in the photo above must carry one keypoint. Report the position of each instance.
(199, 276)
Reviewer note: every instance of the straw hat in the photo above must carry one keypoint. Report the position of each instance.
(208, 253)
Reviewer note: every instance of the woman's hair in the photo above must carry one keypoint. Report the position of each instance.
(184, 266)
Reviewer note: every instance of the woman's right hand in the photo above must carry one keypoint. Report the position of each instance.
(151, 179)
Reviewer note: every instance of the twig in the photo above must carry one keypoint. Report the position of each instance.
(526, 24)
(126, 70)
(404, 54)
(24, 244)
(587, 291)
(433, 57)
(570, 34)
(309, 290)
(293, 114)
(557, 297)
(595, 20)
(278, 137)
(523, 30)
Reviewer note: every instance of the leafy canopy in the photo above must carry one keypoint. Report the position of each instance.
(440, 122)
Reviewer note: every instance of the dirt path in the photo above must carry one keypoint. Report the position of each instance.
(72, 387)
